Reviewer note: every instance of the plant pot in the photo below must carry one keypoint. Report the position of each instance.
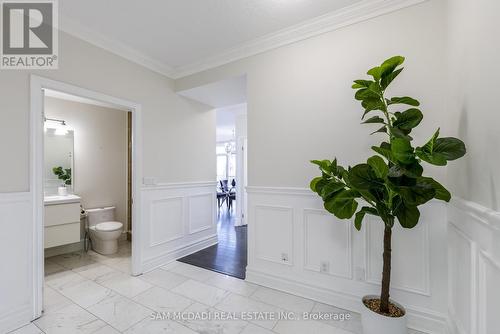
(62, 191)
(375, 323)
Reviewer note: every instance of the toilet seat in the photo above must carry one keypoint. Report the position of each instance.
(107, 226)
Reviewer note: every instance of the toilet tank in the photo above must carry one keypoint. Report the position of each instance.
(99, 215)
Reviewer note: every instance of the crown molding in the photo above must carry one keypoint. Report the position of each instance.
(359, 12)
(77, 30)
(346, 16)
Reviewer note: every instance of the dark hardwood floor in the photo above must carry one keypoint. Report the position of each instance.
(229, 256)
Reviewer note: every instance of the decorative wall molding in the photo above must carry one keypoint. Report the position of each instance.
(418, 318)
(265, 229)
(114, 46)
(359, 12)
(169, 220)
(424, 289)
(474, 265)
(16, 306)
(347, 226)
(356, 13)
(170, 224)
(180, 185)
(197, 210)
(168, 257)
(345, 283)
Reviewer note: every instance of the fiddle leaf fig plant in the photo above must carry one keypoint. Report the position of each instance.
(63, 174)
(391, 184)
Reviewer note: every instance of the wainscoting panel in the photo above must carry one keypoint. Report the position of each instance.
(16, 280)
(178, 219)
(411, 270)
(474, 268)
(166, 220)
(327, 244)
(274, 231)
(488, 294)
(333, 263)
(199, 206)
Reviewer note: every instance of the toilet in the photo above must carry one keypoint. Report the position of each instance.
(104, 230)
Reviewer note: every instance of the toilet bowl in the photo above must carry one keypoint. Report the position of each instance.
(104, 230)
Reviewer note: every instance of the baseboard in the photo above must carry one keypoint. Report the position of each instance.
(173, 255)
(16, 318)
(421, 320)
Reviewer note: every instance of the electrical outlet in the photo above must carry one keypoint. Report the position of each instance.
(325, 267)
(284, 257)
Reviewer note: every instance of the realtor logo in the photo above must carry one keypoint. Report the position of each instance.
(29, 37)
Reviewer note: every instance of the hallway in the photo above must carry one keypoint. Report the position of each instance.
(229, 256)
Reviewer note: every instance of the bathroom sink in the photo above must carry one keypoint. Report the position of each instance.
(56, 199)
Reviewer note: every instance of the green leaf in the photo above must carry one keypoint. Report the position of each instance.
(438, 151)
(403, 100)
(451, 148)
(372, 104)
(408, 215)
(363, 177)
(324, 165)
(385, 151)
(361, 84)
(314, 183)
(413, 171)
(402, 151)
(375, 72)
(381, 130)
(441, 192)
(343, 205)
(408, 119)
(386, 80)
(398, 133)
(379, 166)
(366, 94)
(361, 214)
(331, 188)
(373, 120)
(414, 191)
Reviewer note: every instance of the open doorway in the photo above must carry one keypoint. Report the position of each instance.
(85, 179)
(229, 255)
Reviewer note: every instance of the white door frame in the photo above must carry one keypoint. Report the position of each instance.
(38, 84)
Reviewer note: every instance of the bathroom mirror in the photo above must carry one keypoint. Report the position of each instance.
(59, 152)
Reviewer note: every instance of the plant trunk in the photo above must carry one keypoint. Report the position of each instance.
(386, 273)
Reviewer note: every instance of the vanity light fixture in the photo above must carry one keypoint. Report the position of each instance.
(59, 125)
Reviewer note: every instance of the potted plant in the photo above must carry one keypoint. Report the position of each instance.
(390, 185)
(63, 174)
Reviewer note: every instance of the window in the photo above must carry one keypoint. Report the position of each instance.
(226, 162)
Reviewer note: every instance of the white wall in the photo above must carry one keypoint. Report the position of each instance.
(471, 99)
(301, 107)
(181, 126)
(178, 146)
(100, 152)
(474, 219)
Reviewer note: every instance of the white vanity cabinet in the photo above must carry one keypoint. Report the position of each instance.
(62, 220)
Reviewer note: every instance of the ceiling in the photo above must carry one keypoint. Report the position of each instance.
(220, 94)
(174, 35)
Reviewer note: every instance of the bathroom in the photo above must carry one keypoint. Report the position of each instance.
(87, 184)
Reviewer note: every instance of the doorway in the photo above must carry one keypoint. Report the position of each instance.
(229, 255)
(39, 87)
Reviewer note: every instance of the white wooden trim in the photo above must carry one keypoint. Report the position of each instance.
(37, 85)
(356, 13)
(179, 185)
(419, 319)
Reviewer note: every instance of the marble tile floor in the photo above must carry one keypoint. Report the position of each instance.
(91, 293)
